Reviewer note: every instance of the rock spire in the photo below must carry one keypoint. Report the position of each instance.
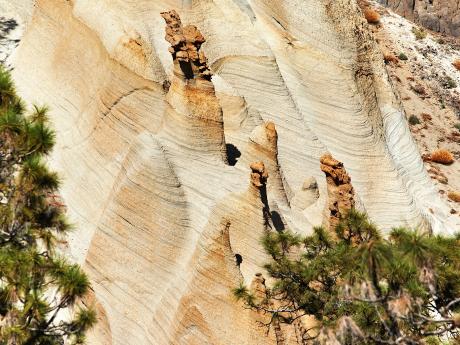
(339, 189)
(185, 48)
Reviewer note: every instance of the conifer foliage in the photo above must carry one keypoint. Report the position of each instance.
(40, 292)
(361, 287)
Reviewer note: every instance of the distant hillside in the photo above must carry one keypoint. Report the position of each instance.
(438, 15)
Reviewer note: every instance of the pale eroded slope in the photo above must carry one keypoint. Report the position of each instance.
(160, 212)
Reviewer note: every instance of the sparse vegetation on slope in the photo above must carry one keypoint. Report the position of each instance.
(414, 120)
(442, 156)
(456, 64)
(390, 58)
(363, 288)
(454, 196)
(371, 15)
(40, 292)
(419, 33)
(402, 56)
(449, 83)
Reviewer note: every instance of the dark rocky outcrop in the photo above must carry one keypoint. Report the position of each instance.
(437, 15)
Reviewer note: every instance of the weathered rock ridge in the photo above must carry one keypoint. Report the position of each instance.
(158, 159)
(341, 196)
(438, 15)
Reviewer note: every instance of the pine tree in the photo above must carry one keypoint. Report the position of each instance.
(41, 294)
(361, 287)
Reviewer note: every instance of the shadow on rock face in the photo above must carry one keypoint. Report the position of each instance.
(186, 68)
(232, 154)
(277, 221)
(238, 259)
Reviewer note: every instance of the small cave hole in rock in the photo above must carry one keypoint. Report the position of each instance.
(232, 154)
(186, 68)
(277, 221)
(238, 259)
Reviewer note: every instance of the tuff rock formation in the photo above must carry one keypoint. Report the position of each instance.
(258, 175)
(157, 158)
(185, 47)
(437, 15)
(340, 191)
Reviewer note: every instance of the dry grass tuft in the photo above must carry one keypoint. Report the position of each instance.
(442, 157)
(454, 196)
(419, 33)
(372, 16)
(426, 117)
(456, 64)
(363, 4)
(390, 58)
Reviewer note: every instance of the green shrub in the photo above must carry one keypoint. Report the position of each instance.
(419, 33)
(450, 83)
(402, 56)
(442, 103)
(457, 125)
(414, 120)
(40, 293)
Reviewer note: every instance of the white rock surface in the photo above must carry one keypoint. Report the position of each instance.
(160, 213)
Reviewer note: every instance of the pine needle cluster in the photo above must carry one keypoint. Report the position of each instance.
(41, 294)
(361, 287)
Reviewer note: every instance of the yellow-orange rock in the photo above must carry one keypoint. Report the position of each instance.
(340, 192)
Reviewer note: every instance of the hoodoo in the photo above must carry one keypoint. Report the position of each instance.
(189, 61)
(340, 191)
(187, 130)
(194, 113)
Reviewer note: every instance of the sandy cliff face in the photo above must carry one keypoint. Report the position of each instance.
(437, 15)
(173, 175)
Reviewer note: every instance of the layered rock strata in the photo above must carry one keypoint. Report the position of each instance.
(156, 162)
